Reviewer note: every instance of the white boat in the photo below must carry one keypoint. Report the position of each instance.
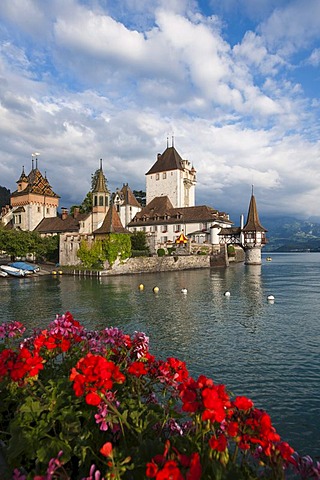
(28, 267)
(16, 272)
(3, 274)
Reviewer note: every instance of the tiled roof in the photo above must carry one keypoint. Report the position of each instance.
(128, 197)
(161, 211)
(253, 222)
(37, 184)
(111, 223)
(168, 160)
(57, 225)
(100, 185)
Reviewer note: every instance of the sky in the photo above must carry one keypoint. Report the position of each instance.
(233, 83)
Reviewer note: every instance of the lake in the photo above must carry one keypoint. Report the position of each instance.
(269, 352)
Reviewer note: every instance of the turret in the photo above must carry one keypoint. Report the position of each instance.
(100, 197)
(253, 235)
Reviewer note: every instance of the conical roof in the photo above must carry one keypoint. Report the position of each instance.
(111, 223)
(100, 184)
(253, 222)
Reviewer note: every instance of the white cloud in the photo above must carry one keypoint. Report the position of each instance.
(94, 82)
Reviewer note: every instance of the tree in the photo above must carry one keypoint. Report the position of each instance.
(4, 196)
(139, 241)
(140, 196)
(18, 243)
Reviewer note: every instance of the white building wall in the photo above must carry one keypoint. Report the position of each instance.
(164, 184)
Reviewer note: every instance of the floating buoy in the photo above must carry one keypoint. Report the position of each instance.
(227, 294)
(155, 289)
(270, 298)
(184, 290)
(141, 286)
(60, 272)
(54, 272)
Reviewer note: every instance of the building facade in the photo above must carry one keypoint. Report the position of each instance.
(33, 201)
(173, 177)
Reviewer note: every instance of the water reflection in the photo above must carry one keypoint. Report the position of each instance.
(268, 352)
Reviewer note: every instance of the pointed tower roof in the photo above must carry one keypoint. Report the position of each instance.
(100, 184)
(129, 198)
(23, 177)
(36, 184)
(168, 160)
(111, 223)
(253, 222)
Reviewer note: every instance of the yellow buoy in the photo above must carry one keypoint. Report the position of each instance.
(141, 286)
(54, 272)
(155, 289)
(60, 272)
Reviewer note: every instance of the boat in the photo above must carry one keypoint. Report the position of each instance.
(268, 259)
(28, 267)
(3, 274)
(16, 272)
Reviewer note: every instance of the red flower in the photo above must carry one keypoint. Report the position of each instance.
(106, 449)
(93, 399)
(137, 369)
(243, 403)
(170, 471)
(219, 444)
(152, 469)
(195, 470)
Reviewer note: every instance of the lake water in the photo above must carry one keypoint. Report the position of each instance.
(269, 352)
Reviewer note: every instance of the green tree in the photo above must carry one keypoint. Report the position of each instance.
(140, 196)
(139, 242)
(117, 245)
(92, 256)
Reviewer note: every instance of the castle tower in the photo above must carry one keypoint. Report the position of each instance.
(173, 177)
(33, 200)
(100, 198)
(253, 235)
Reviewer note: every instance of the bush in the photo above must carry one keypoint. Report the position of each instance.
(78, 404)
(140, 253)
(161, 252)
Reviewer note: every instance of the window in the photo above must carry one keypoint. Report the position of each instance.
(178, 228)
(48, 210)
(164, 175)
(164, 228)
(17, 219)
(157, 176)
(39, 209)
(164, 239)
(95, 202)
(101, 201)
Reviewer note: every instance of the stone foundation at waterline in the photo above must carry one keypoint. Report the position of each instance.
(159, 264)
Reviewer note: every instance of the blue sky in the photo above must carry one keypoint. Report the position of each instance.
(235, 81)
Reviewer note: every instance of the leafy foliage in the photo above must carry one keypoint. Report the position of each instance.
(92, 256)
(140, 196)
(18, 243)
(139, 241)
(117, 245)
(4, 196)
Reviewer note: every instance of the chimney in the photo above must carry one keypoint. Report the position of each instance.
(76, 212)
(64, 213)
(158, 156)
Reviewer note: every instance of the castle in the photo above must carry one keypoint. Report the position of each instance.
(170, 213)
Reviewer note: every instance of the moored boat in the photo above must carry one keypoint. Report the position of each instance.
(28, 267)
(16, 272)
(3, 274)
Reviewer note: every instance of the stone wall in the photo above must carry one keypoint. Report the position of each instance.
(159, 264)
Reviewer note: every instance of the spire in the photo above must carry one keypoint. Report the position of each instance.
(253, 222)
(99, 182)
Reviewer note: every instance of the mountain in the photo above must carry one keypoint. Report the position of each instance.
(288, 234)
